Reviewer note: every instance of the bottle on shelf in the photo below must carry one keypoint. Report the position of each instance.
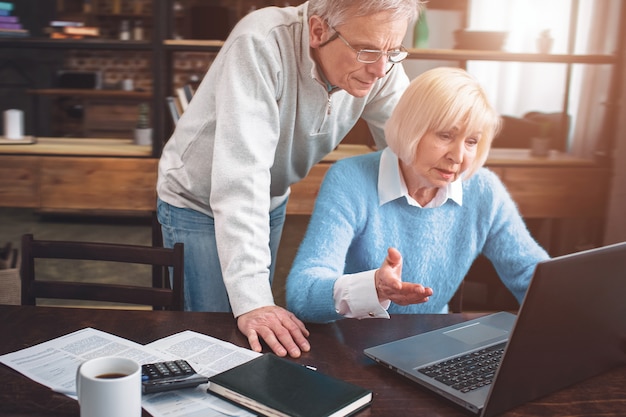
(420, 34)
(138, 30)
(143, 130)
(125, 30)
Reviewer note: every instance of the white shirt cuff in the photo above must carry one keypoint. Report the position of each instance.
(355, 297)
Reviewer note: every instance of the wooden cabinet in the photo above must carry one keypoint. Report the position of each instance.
(544, 188)
(19, 181)
(97, 184)
(71, 175)
(79, 175)
(545, 191)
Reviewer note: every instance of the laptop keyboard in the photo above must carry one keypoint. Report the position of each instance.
(467, 372)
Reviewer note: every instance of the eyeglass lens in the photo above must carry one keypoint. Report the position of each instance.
(369, 56)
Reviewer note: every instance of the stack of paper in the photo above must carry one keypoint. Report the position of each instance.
(54, 364)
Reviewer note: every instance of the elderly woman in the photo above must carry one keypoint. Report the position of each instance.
(396, 231)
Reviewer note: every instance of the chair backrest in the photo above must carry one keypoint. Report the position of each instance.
(158, 298)
(456, 302)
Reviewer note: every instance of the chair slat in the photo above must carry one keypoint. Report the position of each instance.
(169, 298)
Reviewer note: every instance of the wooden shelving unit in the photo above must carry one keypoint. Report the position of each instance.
(161, 47)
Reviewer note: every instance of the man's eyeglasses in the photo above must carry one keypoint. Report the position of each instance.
(370, 56)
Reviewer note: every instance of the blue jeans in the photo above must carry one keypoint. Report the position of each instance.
(204, 285)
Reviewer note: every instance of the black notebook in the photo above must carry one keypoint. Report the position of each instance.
(274, 386)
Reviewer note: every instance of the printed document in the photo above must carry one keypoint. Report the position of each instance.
(54, 364)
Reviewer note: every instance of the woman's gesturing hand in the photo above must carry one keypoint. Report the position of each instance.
(389, 285)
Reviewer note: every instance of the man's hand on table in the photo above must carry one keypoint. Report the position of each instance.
(281, 330)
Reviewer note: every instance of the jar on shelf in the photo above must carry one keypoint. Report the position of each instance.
(138, 30)
(125, 30)
(421, 31)
(544, 42)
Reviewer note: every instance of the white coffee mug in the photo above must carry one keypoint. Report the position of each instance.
(109, 386)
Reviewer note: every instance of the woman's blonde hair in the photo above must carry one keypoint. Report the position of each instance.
(438, 100)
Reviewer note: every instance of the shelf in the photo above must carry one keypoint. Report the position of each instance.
(193, 45)
(92, 93)
(45, 43)
(79, 147)
(476, 55)
(522, 158)
(435, 54)
(543, 187)
(161, 50)
(215, 45)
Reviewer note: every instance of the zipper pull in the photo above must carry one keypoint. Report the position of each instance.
(328, 105)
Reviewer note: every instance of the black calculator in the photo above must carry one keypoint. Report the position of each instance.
(170, 375)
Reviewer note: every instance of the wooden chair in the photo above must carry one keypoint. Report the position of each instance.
(157, 296)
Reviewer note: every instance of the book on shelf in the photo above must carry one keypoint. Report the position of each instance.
(91, 31)
(174, 108)
(278, 387)
(116, 7)
(9, 19)
(182, 98)
(14, 33)
(15, 26)
(63, 23)
(10, 25)
(61, 35)
(188, 89)
(70, 29)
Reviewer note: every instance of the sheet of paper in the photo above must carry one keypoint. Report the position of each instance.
(208, 356)
(54, 364)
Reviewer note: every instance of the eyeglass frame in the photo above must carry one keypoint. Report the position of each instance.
(359, 51)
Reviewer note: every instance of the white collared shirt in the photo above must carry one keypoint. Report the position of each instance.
(355, 294)
(391, 184)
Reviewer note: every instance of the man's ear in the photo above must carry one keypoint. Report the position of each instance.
(317, 29)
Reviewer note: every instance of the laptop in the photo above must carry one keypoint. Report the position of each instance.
(570, 326)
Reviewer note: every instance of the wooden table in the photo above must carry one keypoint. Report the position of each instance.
(337, 349)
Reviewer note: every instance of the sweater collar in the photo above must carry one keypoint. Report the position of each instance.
(315, 71)
(318, 76)
(391, 185)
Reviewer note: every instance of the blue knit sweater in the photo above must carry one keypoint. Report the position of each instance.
(350, 232)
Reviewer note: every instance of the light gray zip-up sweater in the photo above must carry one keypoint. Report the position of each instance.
(260, 119)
